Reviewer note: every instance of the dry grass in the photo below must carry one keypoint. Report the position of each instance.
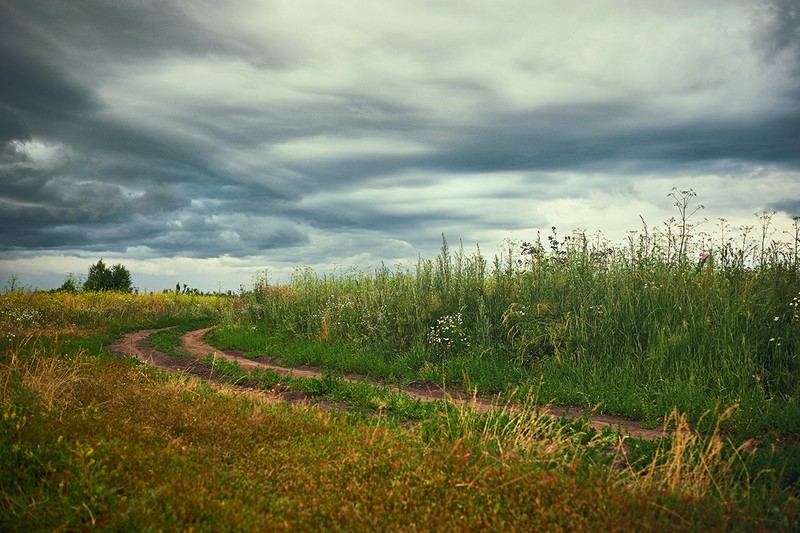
(695, 465)
(53, 378)
(526, 429)
(692, 465)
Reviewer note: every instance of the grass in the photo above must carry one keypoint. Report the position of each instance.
(670, 321)
(169, 340)
(707, 344)
(393, 367)
(122, 446)
(360, 396)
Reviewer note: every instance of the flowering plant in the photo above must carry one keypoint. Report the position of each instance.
(449, 334)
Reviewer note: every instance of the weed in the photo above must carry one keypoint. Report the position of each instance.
(672, 319)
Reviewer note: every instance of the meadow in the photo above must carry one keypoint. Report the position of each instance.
(699, 334)
(672, 320)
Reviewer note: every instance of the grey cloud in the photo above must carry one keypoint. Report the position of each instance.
(39, 195)
(601, 136)
(608, 135)
(790, 206)
(777, 39)
(779, 28)
(233, 240)
(160, 199)
(11, 126)
(257, 238)
(133, 31)
(414, 222)
(32, 85)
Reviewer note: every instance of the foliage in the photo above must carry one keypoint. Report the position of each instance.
(71, 283)
(102, 278)
(88, 440)
(670, 319)
(12, 284)
(59, 313)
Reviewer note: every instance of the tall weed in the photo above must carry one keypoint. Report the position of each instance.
(670, 319)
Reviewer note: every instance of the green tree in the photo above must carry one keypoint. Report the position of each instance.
(102, 278)
(71, 283)
(121, 279)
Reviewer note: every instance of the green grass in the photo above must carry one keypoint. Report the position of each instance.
(92, 441)
(647, 330)
(639, 330)
(489, 374)
(169, 340)
(360, 396)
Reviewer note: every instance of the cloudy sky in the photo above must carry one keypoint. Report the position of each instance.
(200, 142)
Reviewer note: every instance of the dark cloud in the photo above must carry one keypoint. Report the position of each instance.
(33, 85)
(163, 129)
(87, 30)
(204, 239)
(777, 38)
(779, 28)
(160, 199)
(11, 126)
(790, 206)
(597, 137)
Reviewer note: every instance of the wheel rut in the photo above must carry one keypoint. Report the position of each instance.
(134, 344)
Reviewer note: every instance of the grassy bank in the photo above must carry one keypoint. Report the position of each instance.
(694, 324)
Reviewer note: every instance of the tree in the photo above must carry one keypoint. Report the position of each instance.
(102, 278)
(121, 279)
(71, 283)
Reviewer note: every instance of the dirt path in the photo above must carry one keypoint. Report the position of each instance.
(134, 344)
(192, 342)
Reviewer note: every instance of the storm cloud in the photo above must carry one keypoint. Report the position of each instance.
(236, 136)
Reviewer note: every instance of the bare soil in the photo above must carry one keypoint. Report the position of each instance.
(135, 344)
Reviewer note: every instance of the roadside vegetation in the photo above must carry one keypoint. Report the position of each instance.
(706, 344)
(673, 319)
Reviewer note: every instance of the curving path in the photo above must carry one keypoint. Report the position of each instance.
(192, 342)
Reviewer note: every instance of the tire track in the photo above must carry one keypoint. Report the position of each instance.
(134, 344)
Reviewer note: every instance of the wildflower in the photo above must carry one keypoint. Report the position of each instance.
(776, 318)
(702, 256)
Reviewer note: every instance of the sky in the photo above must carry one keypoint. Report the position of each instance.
(206, 142)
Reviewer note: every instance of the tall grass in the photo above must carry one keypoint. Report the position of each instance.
(88, 440)
(669, 319)
(62, 312)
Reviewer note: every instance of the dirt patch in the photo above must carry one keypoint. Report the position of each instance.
(599, 422)
(431, 390)
(192, 343)
(135, 344)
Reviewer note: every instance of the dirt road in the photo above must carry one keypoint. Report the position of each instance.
(134, 344)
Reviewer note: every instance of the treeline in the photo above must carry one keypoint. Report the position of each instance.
(115, 278)
(100, 278)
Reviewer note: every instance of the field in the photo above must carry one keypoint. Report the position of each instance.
(692, 338)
